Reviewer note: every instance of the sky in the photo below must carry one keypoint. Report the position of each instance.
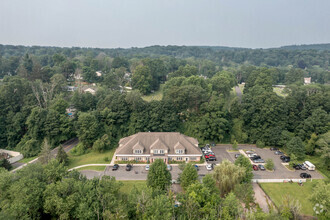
(140, 23)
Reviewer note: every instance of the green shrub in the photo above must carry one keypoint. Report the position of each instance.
(269, 164)
(260, 144)
(106, 159)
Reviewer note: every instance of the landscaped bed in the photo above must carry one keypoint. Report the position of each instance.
(278, 191)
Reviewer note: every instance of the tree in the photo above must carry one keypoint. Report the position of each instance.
(188, 176)
(310, 146)
(87, 128)
(5, 164)
(45, 154)
(231, 206)
(321, 197)
(142, 79)
(269, 164)
(234, 145)
(245, 162)
(159, 178)
(227, 175)
(296, 146)
(61, 156)
(161, 207)
(294, 76)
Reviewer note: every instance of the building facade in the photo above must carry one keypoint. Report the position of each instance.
(148, 146)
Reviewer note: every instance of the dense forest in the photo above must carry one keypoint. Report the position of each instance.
(197, 99)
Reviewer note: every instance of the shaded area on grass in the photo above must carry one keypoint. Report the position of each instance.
(26, 160)
(278, 191)
(158, 95)
(90, 158)
(129, 184)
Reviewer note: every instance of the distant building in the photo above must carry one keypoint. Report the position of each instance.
(149, 146)
(77, 77)
(71, 88)
(11, 156)
(90, 90)
(307, 80)
(71, 111)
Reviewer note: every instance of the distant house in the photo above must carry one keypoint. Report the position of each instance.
(71, 111)
(77, 76)
(307, 80)
(149, 146)
(90, 90)
(71, 88)
(99, 73)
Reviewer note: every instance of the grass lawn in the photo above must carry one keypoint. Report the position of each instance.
(241, 86)
(128, 185)
(90, 158)
(96, 168)
(279, 91)
(278, 191)
(158, 95)
(28, 159)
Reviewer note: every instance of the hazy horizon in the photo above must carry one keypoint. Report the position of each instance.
(126, 23)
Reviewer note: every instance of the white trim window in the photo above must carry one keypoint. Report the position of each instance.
(179, 151)
(158, 151)
(138, 158)
(124, 158)
(138, 151)
(179, 158)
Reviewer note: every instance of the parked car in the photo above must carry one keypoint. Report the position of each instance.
(252, 155)
(274, 149)
(211, 159)
(196, 167)
(169, 167)
(259, 161)
(237, 155)
(129, 167)
(255, 167)
(279, 152)
(147, 167)
(296, 166)
(261, 167)
(249, 152)
(115, 167)
(209, 166)
(256, 157)
(286, 159)
(305, 175)
(302, 167)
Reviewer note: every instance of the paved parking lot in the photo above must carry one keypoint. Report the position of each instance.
(138, 172)
(281, 172)
(221, 152)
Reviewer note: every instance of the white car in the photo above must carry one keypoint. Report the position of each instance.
(169, 167)
(209, 166)
(147, 167)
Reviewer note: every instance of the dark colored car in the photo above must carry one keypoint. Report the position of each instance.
(285, 159)
(274, 149)
(296, 166)
(237, 155)
(305, 175)
(255, 167)
(255, 158)
(115, 167)
(211, 159)
(261, 167)
(128, 167)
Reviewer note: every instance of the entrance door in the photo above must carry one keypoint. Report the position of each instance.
(187, 159)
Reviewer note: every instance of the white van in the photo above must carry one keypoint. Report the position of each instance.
(309, 165)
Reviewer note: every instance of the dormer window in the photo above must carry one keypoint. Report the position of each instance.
(179, 151)
(138, 151)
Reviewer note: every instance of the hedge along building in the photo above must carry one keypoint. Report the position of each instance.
(148, 146)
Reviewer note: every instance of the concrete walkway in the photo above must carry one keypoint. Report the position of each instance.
(261, 197)
(88, 165)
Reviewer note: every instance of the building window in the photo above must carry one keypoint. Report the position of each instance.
(179, 158)
(138, 158)
(124, 158)
(138, 151)
(179, 151)
(158, 151)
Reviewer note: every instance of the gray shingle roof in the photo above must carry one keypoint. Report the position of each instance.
(158, 140)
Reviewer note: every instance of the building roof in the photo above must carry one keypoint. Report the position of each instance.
(158, 140)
